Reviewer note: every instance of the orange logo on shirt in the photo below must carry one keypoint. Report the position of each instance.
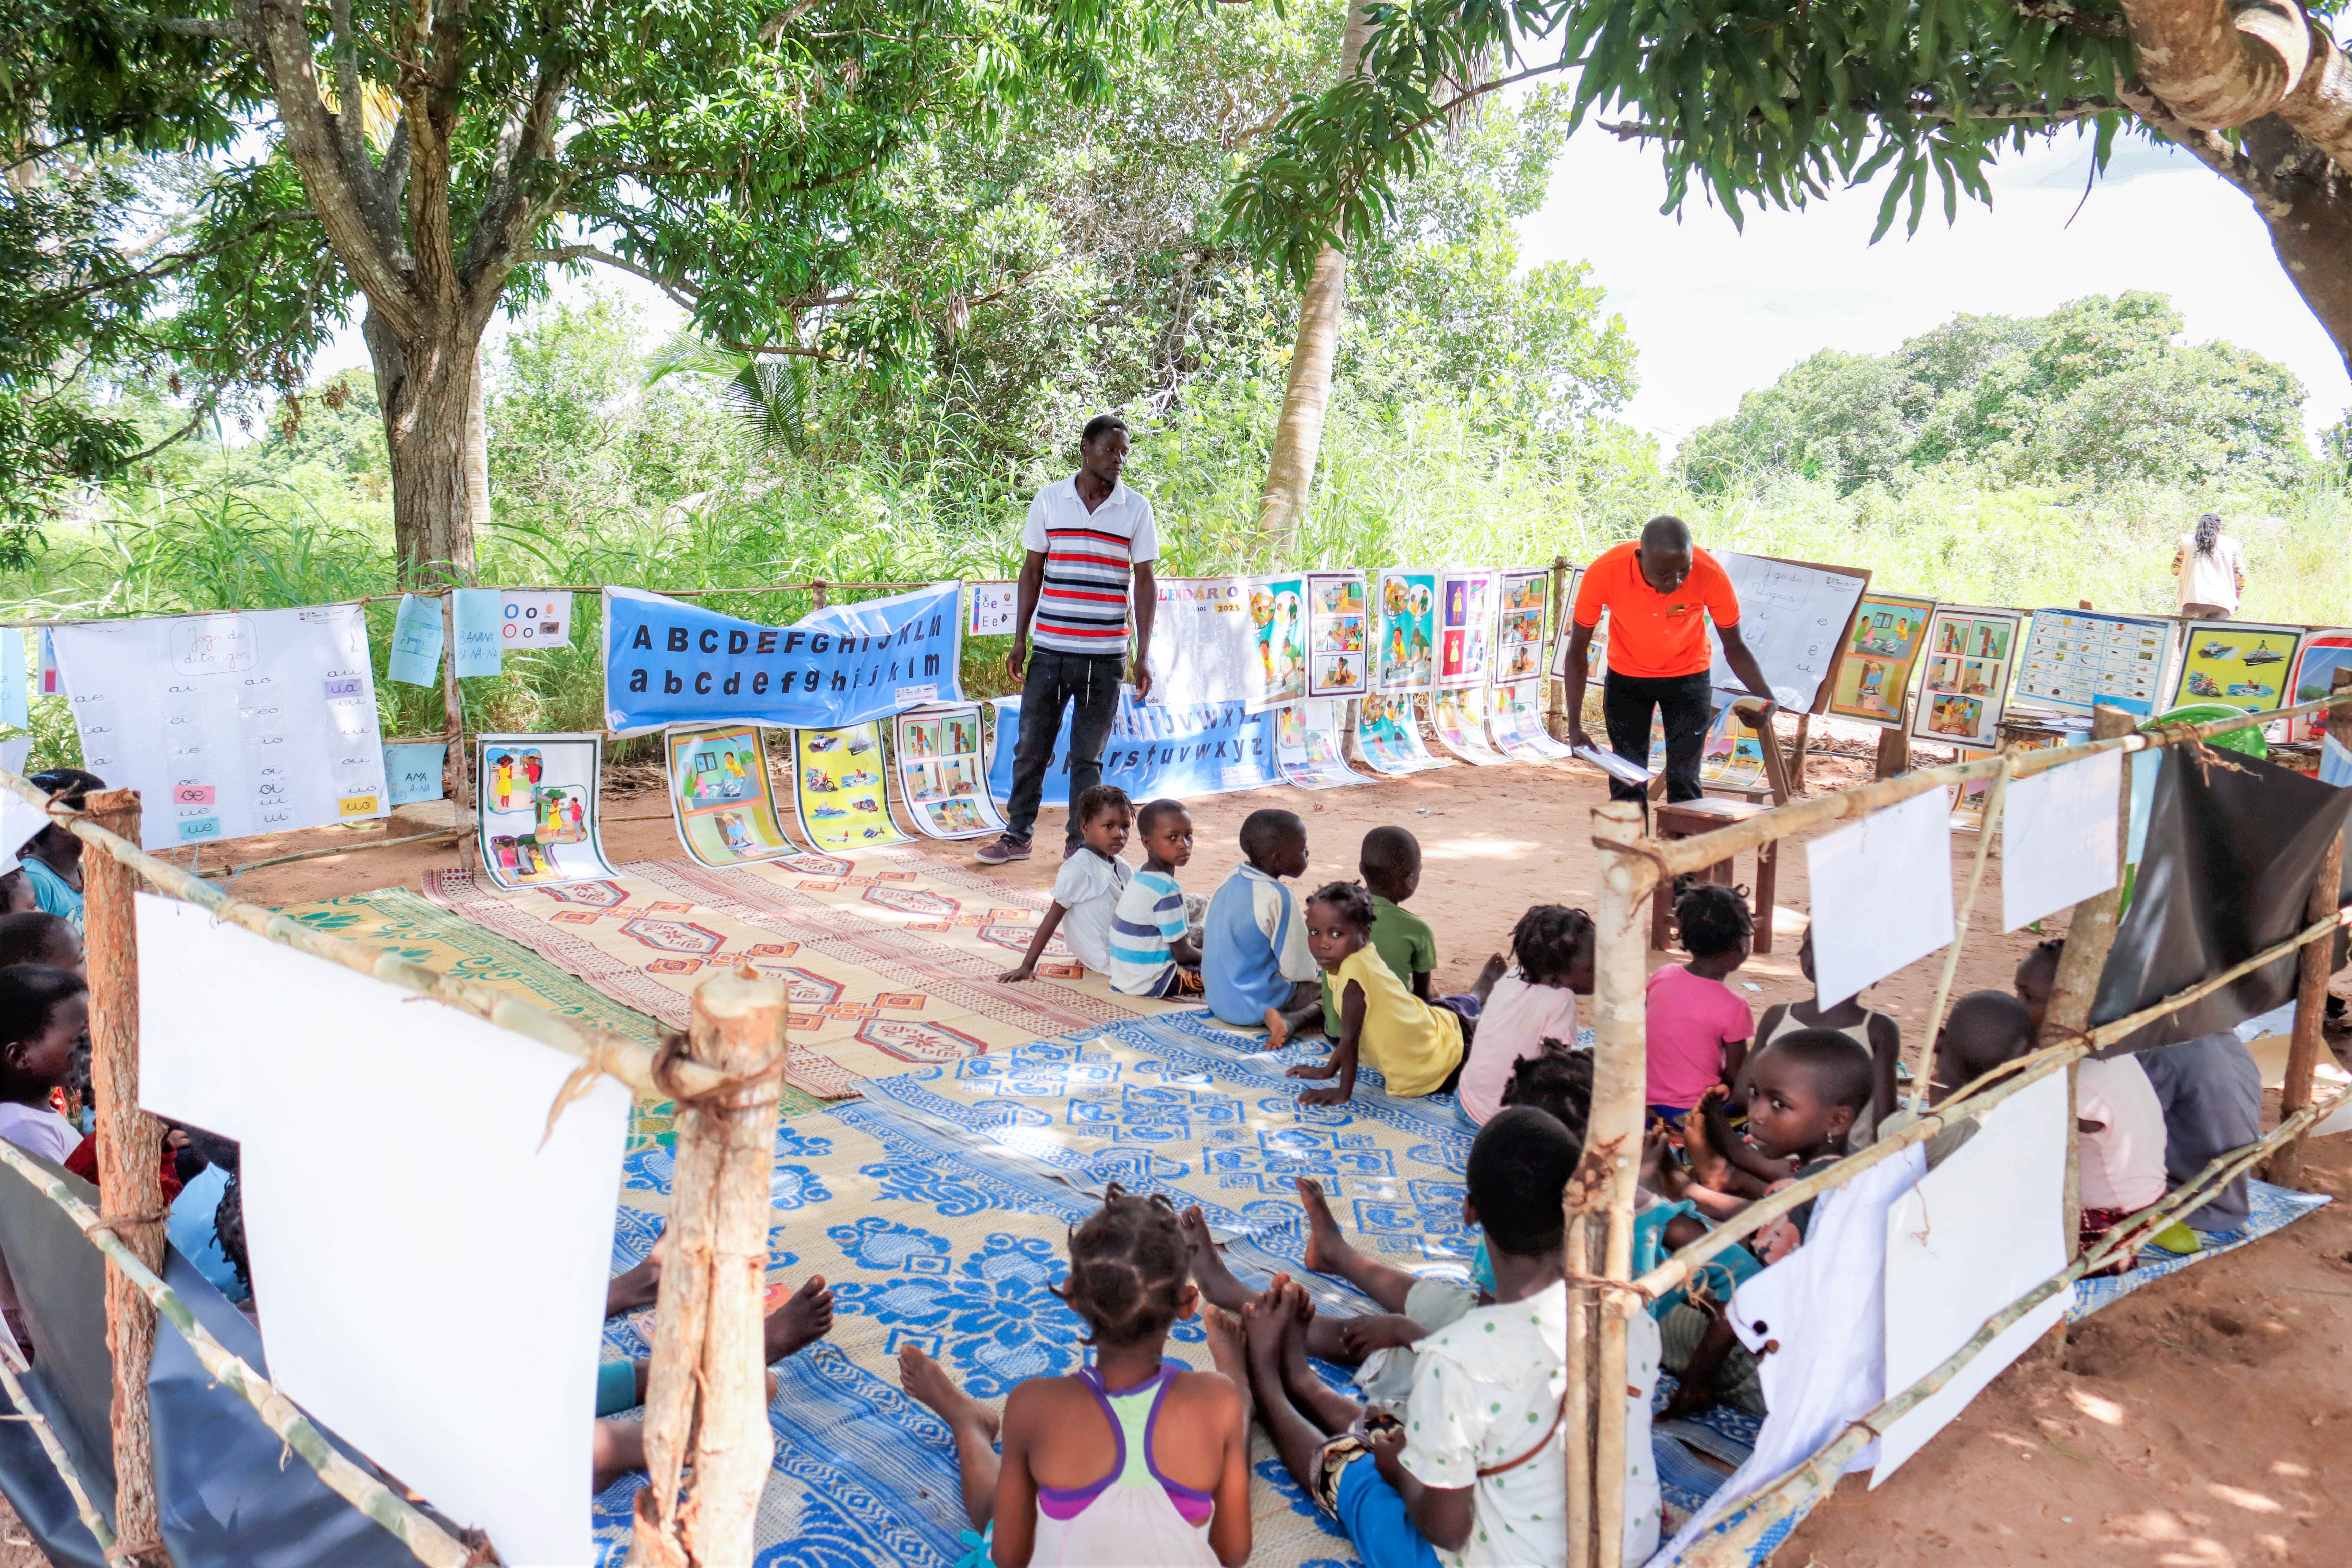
(1677, 609)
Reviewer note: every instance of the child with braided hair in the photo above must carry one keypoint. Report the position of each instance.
(1534, 1001)
(1698, 1029)
(1134, 1460)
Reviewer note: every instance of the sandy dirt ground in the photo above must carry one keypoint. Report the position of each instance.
(2204, 1420)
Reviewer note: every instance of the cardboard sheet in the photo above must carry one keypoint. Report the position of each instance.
(722, 795)
(393, 1176)
(538, 810)
(2058, 839)
(1977, 1233)
(1882, 893)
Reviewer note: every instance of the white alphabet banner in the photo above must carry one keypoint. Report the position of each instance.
(231, 724)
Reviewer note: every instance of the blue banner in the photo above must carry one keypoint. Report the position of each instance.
(670, 662)
(1153, 751)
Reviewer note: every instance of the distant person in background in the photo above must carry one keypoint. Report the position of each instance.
(2212, 571)
(51, 858)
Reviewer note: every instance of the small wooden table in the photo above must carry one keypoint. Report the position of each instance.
(1689, 819)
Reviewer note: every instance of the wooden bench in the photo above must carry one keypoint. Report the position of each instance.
(1692, 818)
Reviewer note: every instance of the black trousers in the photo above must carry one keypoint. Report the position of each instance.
(1052, 685)
(1684, 705)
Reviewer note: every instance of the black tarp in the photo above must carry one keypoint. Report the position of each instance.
(228, 1495)
(2233, 845)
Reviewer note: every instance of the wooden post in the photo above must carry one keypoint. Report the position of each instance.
(1612, 1151)
(1796, 759)
(1893, 753)
(706, 1397)
(129, 1143)
(457, 775)
(2311, 978)
(2089, 935)
(1555, 690)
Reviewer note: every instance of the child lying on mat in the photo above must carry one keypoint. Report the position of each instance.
(1087, 889)
(1415, 1046)
(1134, 1460)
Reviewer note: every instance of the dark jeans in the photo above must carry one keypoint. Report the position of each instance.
(1684, 705)
(1054, 681)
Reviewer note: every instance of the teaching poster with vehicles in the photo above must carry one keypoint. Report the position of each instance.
(2074, 659)
(539, 817)
(230, 725)
(1874, 675)
(1388, 735)
(1466, 628)
(1964, 681)
(839, 789)
(1308, 745)
(1338, 634)
(1460, 720)
(2242, 665)
(1517, 723)
(1520, 636)
(723, 795)
(1404, 624)
(1278, 624)
(2324, 653)
(943, 781)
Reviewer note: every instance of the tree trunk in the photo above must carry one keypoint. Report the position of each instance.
(1298, 436)
(477, 459)
(429, 389)
(2312, 236)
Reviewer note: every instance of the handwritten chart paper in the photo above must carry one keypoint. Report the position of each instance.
(413, 770)
(416, 638)
(227, 725)
(1881, 894)
(1793, 618)
(2058, 838)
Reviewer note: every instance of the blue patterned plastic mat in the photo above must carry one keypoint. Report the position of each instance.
(2274, 1207)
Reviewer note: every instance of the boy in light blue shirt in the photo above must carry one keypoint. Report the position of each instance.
(1150, 955)
(1254, 954)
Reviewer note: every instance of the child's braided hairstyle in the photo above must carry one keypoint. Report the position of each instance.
(1548, 940)
(1711, 917)
(1129, 1265)
(1350, 901)
(1558, 1078)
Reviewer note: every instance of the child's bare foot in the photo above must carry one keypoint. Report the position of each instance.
(1208, 1271)
(1709, 1168)
(1266, 1321)
(1297, 1307)
(1277, 1029)
(1495, 968)
(1229, 1353)
(927, 1383)
(1325, 1242)
(632, 1289)
(803, 1319)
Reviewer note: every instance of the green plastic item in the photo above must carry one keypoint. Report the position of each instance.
(2248, 740)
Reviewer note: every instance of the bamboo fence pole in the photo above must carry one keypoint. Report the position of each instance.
(228, 873)
(2089, 934)
(426, 1539)
(706, 1391)
(1612, 1147)
(93, 1521)
(1576, 1439)
(625, 1059)
(1555, 693)
(1921, 1057)
(2310, 980)
(129, 1143)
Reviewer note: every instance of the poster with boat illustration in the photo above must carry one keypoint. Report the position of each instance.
(2244, 666)
(838, 789)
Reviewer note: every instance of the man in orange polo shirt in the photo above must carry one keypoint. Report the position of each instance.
(1660, 594)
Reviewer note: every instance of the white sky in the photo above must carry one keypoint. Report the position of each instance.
(1716, 312)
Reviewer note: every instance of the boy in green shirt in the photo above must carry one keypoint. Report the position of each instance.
(1390, 863)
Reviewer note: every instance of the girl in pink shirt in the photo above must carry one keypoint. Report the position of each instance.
(1533, 1001)
(1698, 1029)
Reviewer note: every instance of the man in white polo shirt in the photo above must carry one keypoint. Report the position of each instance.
(1089, 538)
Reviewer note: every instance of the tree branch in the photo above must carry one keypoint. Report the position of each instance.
(2058, 13)
(2064, 111)
(683, 293)
(2212, 148)
(510, 216)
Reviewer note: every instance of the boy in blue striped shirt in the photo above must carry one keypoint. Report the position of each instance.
(1150, 955)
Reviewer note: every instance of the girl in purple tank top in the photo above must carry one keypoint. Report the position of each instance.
(1133, 1460)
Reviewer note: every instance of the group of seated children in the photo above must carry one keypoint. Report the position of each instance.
(1349, 959)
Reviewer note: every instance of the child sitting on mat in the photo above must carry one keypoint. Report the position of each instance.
(1415, 1046)
(1151, 954)
(39, 937)
(1873, 1031)
(1087, 889)
(1254, 956)
(1530, 1006)
(1134, 1460)
(1698, 1028)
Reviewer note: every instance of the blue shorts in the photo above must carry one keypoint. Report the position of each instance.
(1372, 1512)
(616, 1387)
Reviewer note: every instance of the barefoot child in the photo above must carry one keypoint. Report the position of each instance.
(1535, 1001)
(1133, 1460)
(1415, 1046)
(1698, 1029)
(1087, 890)
(1253, 954)
(1150, 955)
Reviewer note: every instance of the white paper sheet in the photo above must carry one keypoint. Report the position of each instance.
(1881, 894)
(1977, 1233)
(2058, 838)
(1793, 618)
(19, 820)
(395, 1190)
(1204, 646)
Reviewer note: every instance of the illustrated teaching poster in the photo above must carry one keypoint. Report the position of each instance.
(942, 778)
(2324, 653)
(1339, 641)
(1460, 720)
(723, 795)
(1962, 692)
(1388, 735)
(1278, 619)
(1404, 654)
(534, 617)
(2074, 658)
(227, 725)
(1466, 628)
(2236, 664)
(994, 606)
(1307, 746)
(1519, 640)
(1732, 755)
(538, 795)
(1793, 617)
(837, 787)
(1204, 645)
(1517, 723)
(1874, 676)
(1154, 750)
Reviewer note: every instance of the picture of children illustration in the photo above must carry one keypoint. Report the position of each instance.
(512, 775)
(1525, 591)
(1281, 639)
(1403, 663)
(725, 807)
(1961, 716)
(530, 823)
